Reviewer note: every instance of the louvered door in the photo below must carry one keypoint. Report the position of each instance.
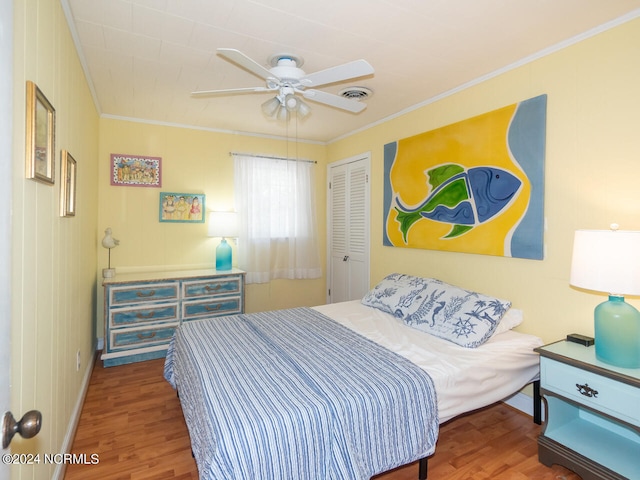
(348, 229)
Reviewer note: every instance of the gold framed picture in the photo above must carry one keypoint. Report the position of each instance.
(67, 185)
(40, 136)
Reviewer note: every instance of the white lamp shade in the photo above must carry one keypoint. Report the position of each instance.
(303, 110)
(606, 261)
(223, 224)
(271, 107)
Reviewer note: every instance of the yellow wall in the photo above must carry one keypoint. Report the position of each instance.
(193, 161)
(592, 171)
(53, 258)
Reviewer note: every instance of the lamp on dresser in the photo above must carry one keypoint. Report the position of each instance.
(109, 242)
(609, 261)
(224, 225)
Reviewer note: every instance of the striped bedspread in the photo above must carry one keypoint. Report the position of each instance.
(292, 394)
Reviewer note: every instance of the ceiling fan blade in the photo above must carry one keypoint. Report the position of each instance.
(239, 58)
(228, 91)
(333, 100)
(339, 73)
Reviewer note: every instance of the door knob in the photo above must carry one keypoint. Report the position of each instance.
(28, 426)
(346, 257)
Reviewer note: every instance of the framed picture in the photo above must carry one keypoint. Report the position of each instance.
(136, 171)
(182, 207)
(40, 136)
(67, 185)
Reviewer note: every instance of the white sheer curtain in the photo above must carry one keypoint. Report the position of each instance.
(275, 201)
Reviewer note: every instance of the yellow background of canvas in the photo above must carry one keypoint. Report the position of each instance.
(477, 141)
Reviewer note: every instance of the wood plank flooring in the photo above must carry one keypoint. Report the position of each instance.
(133, 421)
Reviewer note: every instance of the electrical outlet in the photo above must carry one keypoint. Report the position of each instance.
(78, 361)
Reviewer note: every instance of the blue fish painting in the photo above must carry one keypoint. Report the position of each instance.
(462, 197)
(472, 186)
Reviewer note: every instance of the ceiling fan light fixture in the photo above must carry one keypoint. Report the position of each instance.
(283, 114)
(270, 107)
(291, 102)
(303, 109)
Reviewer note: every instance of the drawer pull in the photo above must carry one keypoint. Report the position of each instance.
(587, 391)
(213, 289)
(213, 309)
(146, 337)
(150, 294)
(143, 316)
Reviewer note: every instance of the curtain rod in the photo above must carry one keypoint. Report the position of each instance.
(272, 157)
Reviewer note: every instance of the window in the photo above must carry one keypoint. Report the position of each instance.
(275, 200)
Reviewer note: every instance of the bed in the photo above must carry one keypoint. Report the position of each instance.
(346, 390)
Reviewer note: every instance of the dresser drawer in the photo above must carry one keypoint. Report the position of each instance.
(215, 286)
(606, 395)
(151, 292)
(130, 338)
(143, 309)
(142, 314)
(214, 307)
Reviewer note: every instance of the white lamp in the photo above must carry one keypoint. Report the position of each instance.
(609, 261)
(225, 225)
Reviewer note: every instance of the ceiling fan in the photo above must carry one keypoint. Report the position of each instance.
(287, 79)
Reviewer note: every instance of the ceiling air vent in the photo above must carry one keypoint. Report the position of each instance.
(356, 93)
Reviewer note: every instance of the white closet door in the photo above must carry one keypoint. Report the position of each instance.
(348, 229)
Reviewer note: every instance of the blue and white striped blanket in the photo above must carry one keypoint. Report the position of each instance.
(292, 394)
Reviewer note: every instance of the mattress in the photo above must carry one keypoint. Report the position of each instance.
(465, 378)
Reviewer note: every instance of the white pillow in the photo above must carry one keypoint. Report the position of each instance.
(511, 319)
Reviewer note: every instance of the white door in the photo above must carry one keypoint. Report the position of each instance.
(348, 229)
(6, 154)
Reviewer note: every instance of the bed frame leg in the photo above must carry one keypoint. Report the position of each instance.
(422, 469)
(537, 403)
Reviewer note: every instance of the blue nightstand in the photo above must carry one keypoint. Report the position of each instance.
(593, 413)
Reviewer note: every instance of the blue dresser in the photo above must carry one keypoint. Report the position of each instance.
(142, 310)
(593, 413)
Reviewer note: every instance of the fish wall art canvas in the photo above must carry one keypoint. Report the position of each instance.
(475, 186)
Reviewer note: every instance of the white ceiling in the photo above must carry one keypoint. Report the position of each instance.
(144, 57)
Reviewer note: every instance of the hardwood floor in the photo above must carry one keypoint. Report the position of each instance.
(133, 421)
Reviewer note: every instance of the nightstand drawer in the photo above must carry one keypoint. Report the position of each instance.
(148, 293)
(206, 288)
(214, 307)
(142, 314)
(130, 338)
(603, 394)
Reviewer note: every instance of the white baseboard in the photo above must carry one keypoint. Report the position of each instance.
(524, 403)
(67, 443)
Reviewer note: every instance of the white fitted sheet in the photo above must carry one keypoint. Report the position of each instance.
(465, 378)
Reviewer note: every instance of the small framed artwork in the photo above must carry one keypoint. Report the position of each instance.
(136, 171)
(67, 185)
(182, 207)
(40, 136)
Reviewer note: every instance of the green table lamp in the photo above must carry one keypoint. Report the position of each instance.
(223, 225)
(609, 261)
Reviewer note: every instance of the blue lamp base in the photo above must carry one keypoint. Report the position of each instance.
(223, 256)
(617, 332)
